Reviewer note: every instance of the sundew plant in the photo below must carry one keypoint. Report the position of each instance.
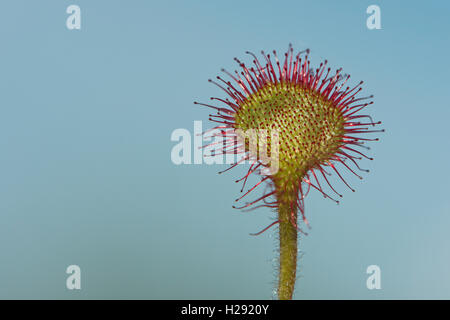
(309, 124)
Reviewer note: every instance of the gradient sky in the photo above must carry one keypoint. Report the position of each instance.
(86, 175)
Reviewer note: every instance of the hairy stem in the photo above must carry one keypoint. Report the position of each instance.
(287, 216)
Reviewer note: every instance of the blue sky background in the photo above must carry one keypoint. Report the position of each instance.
(86, 176)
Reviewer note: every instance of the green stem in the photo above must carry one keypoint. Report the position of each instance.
(287, 216)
